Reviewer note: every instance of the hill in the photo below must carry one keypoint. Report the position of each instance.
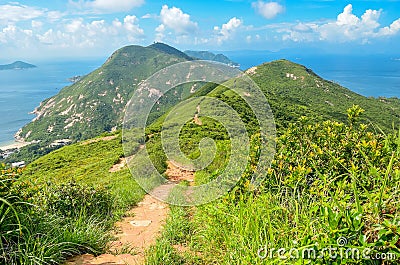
(293, 91)
(206, 55)
(330, 184)
(17, 65)
(96, 102)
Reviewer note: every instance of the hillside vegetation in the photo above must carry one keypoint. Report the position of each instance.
(331, 186)
(96, 103)
(65, 203)
(334, 182)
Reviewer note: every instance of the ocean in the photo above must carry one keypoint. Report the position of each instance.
(23, 90)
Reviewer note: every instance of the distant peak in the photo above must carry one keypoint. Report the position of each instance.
(169, 50)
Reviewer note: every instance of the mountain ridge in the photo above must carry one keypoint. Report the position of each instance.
(96, 103)
(206, 55)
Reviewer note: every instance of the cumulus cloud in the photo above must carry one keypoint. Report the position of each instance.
(347, 17)
(269, 10)
(347, 27)
(227, 30)
(75, 33)
(160, 32)
(107, 6)
(393, 29)
(174, 18)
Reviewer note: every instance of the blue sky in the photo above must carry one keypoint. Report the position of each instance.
(55, 28)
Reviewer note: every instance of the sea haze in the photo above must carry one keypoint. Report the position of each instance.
(23, 90)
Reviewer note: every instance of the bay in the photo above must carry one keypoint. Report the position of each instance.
(21, 91)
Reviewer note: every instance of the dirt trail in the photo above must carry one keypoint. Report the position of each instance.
(139, 230)
(176, 173)
(196, 116)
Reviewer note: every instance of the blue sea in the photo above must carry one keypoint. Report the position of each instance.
(23, 90)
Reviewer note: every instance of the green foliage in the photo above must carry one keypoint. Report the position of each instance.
(33, 231)
(64, 203)
(71, 200)
(95, 103)
(329, 182)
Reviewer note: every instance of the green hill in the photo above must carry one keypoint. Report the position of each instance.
(332, 177)
(293, 91)
(95, 103)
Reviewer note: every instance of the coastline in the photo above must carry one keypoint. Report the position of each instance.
(12, 145)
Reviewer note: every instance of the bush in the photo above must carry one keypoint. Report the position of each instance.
(72, 200)
(45, 225)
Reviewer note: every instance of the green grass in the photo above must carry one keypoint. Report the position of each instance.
(328, 181)
(87, 164)
(65, 203)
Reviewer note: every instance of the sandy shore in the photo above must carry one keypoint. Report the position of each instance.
(14, 145)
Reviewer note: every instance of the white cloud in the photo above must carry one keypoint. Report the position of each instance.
(107, 6)
(347, 27)
(248, 39)
(14, 36)
(54, 15)
(16, 12)
(148, 16)
(36, 24)
(393, 29)
(179, 22)
(347, 17)
(160, 32)
(74, 34)
(227, 30)
(269, 10)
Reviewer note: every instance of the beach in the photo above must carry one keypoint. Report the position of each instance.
(13, 145)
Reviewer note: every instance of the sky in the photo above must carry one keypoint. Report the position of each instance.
(89, 28)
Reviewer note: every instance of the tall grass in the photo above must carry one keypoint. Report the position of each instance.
(329, 182)
(47, 224)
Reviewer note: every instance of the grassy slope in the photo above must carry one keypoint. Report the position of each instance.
(66, 202)
(88, 164)
(310, 95)
(327, 181)
(328, 156)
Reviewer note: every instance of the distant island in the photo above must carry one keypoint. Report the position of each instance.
(206, 55)
(17, 65)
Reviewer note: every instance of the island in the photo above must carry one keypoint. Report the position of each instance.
(17, 65)
(206, 55)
